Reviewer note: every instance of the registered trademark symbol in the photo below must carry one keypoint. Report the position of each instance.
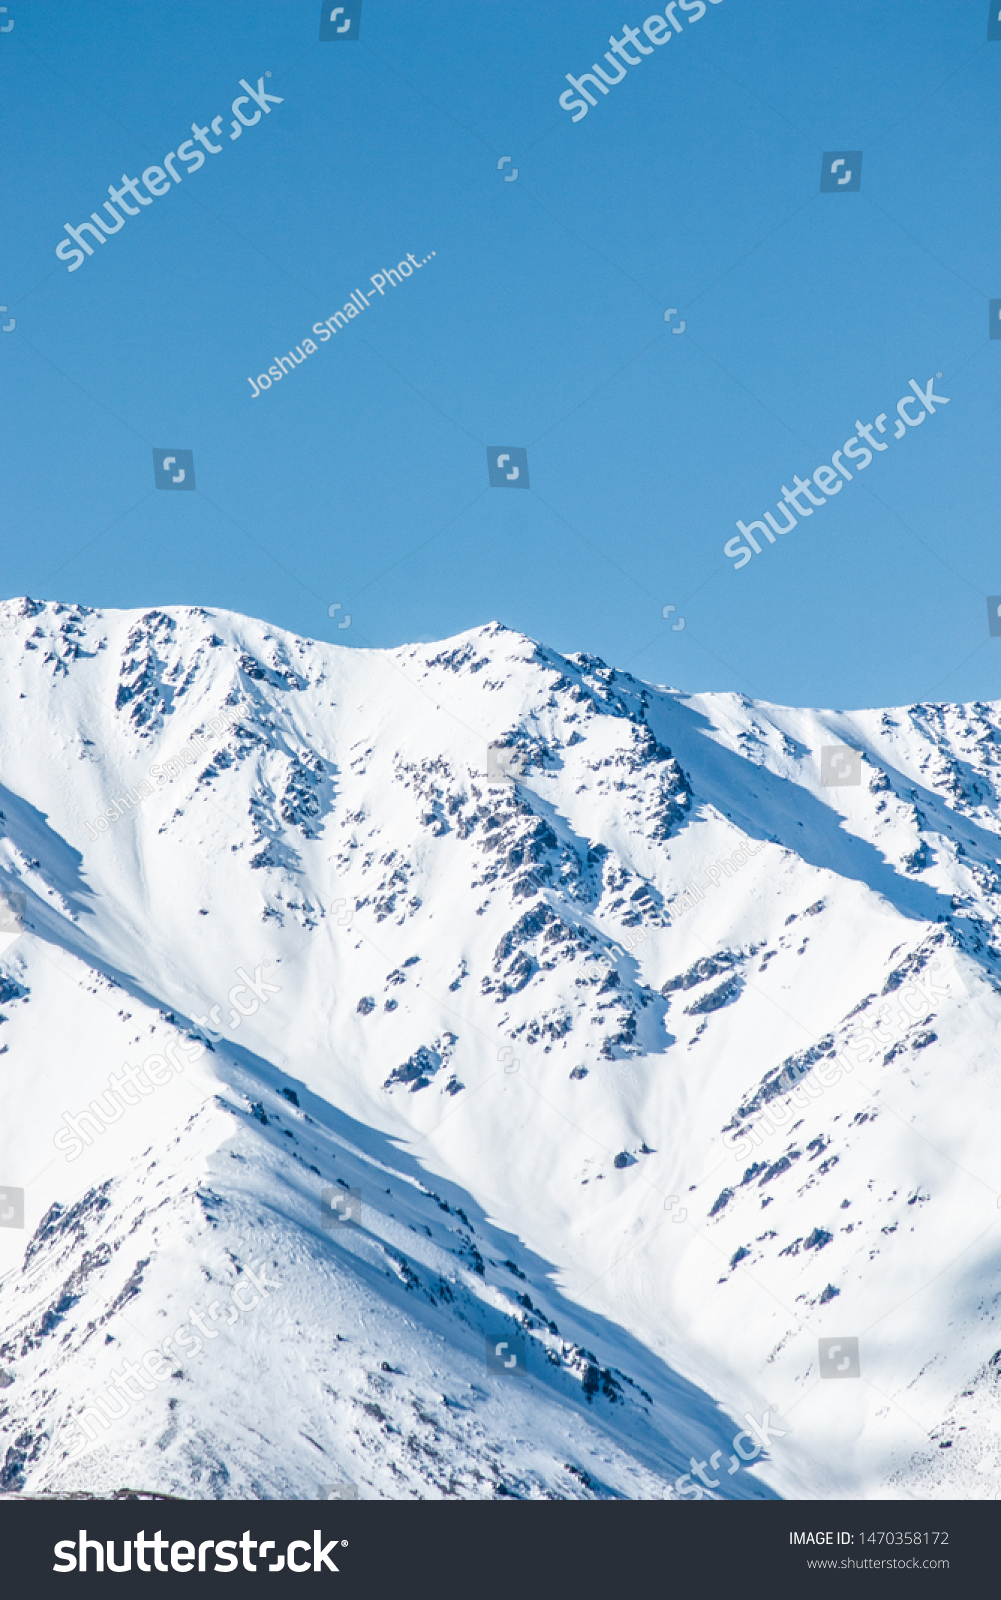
(938, 374)
(267, 75)
(344, 1542)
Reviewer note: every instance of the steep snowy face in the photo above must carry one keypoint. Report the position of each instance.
(684, 1024)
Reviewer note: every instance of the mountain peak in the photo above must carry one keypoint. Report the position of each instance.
(565, 951)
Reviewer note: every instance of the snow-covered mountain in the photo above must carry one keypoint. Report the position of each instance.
(375, 1009)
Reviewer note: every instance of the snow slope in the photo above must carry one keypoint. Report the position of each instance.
(467, 904)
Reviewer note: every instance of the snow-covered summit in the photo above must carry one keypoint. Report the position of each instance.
(621, 1033)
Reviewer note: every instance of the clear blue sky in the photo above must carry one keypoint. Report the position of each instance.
(361, 477)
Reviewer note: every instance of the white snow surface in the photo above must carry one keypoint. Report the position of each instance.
(485, 1002)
